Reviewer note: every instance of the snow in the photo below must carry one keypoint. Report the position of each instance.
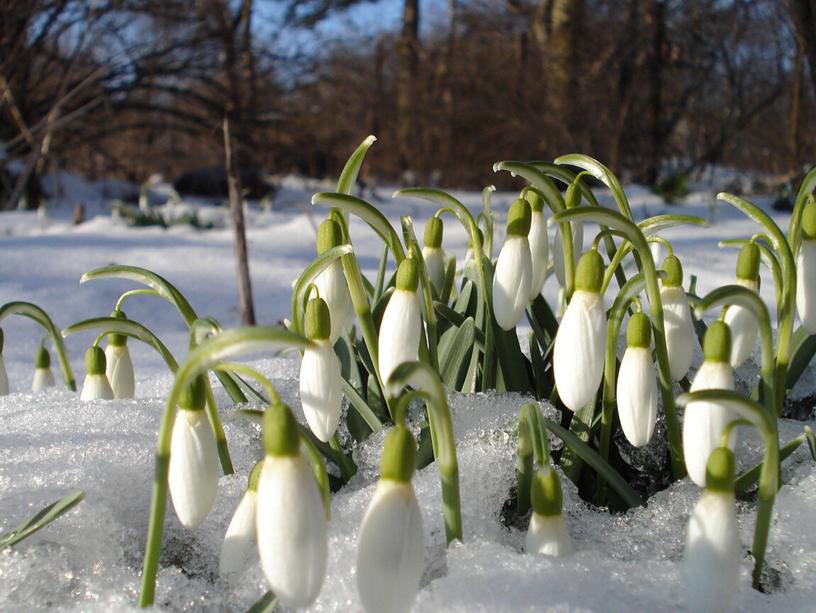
(90, 559)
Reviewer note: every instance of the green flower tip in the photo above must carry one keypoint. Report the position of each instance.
(809, 221)
(399, 455)
(590, 271)
(720, 470)
(43, 358)
(117, 340)
(573, 195)
(674, 272)
(329, 235)
(433, 233)
(194, 397)
(748, 262)
(95, 360)
(318, 319)
(408, 275)
(255, 475)
(717, 342)
(546, 493)
(519, 218)
(638, 331)
(281, 436)
(536, 202)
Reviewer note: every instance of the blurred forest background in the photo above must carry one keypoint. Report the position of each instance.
(654, 88)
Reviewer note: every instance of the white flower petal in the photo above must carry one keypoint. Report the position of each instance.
(637, 395)
(679, 329)
(548, 535)
(744, 329)
(713, 553)
(194, 467)
(43, 378)
(511, 281)
(578, 356)
(806, 284)
(321, 393)
(239, 542)
(390, 550)
(558, 249)
(332, 287)
(119, 370)
(292, 537)
(400, 331)
(96, 387)
(435, 266)
(704, 422)
(539, 252)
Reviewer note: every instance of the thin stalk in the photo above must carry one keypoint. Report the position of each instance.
(805, 192)
(768, 257)
(432, 336)
(134, 292)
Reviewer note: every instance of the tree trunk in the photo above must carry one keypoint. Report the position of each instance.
(654, 16)
(803, 15)
(408, 52)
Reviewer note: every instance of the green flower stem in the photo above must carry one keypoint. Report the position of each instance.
(768, 257)
(228, 344)
(307, 278)
(134, 292)
(532, 445)
(379, 287)
(787, 311)
(744, 297)
(617, 221)
(432, 336)
(126, 327)
(32, 311)
(487, 215)
(602, 174)
(427, 384)
(730, 427)
(769, 473)
(805, 191)
(211, 408)
(347, 468)
(627, 294)
(319, 470)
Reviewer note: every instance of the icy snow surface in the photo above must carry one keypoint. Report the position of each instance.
(90, 559)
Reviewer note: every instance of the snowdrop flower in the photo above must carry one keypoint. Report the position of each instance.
(578, 356)
(194, 467)
(637, 383)
(331, 283)
(240, 541)
(4, 382)
(390, 547)
(119, 369)
(291, 521)
(43, 377)
(806, 270)
(547, 534)
(713, 549)
(704, 422)
(514, 268)
(401, 324)
(677, 323)
(558, 249)
(433, 254)
(321, 393)
(744, 326)
(96, 384)
(539, 244)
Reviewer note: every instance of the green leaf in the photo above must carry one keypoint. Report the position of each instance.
(348, 177)
(603, 174)
(658, 223)
(447, 281)
(359, 405)
(454, 350)
(803, 348)
(593, 459)
(265, 604)
(41, 519)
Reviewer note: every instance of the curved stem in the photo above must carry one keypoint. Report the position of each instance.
(730, 427)
(307, 277)
(134, 292)
(430, 313)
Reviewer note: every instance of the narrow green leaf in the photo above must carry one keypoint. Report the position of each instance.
(603, 174)
(41, 519)
(454, 351)
(348, 177)
(803, 348)
(265, 604)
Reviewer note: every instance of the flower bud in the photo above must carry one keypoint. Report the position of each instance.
(240, 539)
(637, 384)
(806, 270)
(321, 392)
(742, 322)
(401, 324)
(547, 534)
(514, 268)
(677, 322)
(43, 377)
(96, 385)
(331, 283)
(539, 244)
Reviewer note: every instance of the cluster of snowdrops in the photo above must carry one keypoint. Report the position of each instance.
(385, 354)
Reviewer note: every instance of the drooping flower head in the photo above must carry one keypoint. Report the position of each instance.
(743, 324)
(390, 547)
(580, 343)
(43, 377)
(547, 533)
(240, 539)
(291, 522)
(119, 369)
(539, 243)
(806, 270)
(433, 253)
(514, 268)
(96, 385)
(194, 466)
(331, 283)
(637, 383)
(704, 422)
(713, 550)
(677, 321)
(321, 392)
(401, 325)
